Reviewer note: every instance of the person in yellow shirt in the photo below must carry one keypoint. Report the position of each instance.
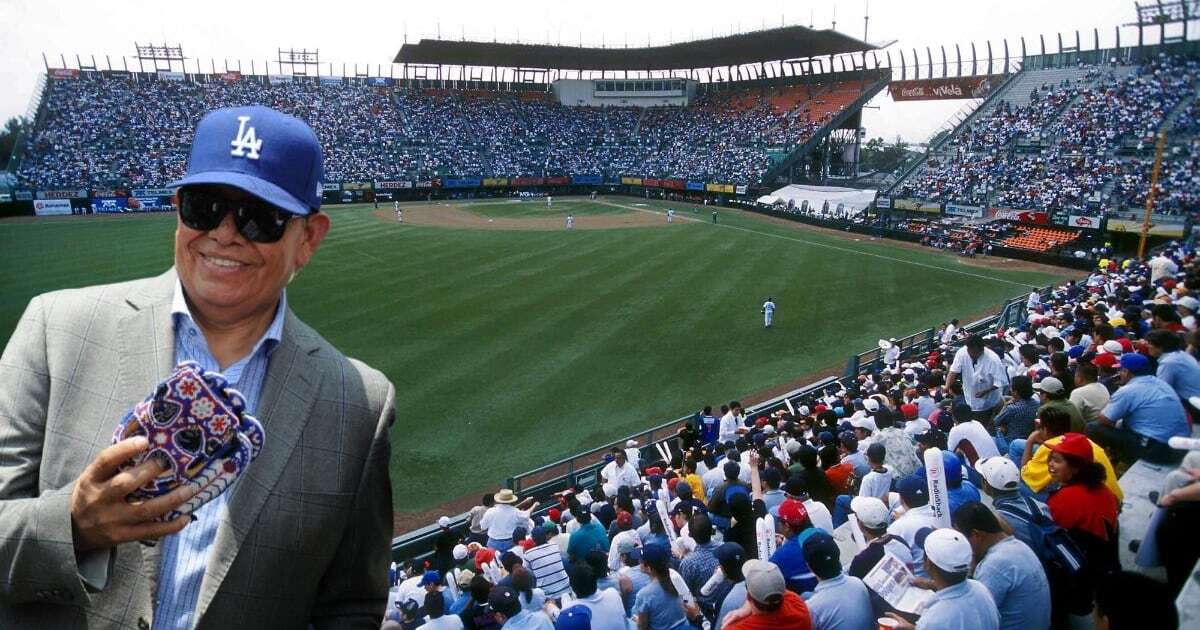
(689, 475)
(1053, 423)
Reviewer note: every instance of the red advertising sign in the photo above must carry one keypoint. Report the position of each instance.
(232, 77)
(675, 184)
(558, 181)
(651, 182)
(944, 88)
(1024, 216)
(64, 73)
(527, 181)
(1079, 221)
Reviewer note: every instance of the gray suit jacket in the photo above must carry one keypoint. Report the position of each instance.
(307, 532)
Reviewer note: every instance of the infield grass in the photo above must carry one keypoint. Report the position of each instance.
(512, 349)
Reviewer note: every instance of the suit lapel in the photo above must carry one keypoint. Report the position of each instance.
(293, 380)
(147, 356)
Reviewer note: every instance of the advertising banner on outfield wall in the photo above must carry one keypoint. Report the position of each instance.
(587, 180)
(492, 182)
(331, 186)
(167, 75)
(393, 185)
(741, 190)
(945, 88)
(673, 184)
(558, 181)
(695, 185)
(51, 207)
(380, 81)
(916, 205)
(1024, 216)
(957, 210)
(109, 205)
(425, 184)
(148, 204)
(631, 181)
(330, 80)
(23, 195)
(1174, 230)
(883, 202)
(1087, 223)
(279, 79)
(527, 181)
(650, 182)
(64, 73)
(117, 74)
(719, 188)
(80, 193)
(153, 192)
(356, 185)
(231, 77)
(461, 182)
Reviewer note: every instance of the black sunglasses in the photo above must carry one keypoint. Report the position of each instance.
(258, 221)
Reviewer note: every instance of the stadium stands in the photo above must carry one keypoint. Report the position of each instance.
(1039, 239)
(1060, 140)
(109, 132)
(892, 410)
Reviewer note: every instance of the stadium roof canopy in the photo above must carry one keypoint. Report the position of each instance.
(789, 42)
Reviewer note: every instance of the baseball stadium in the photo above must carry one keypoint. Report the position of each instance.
(595, 275)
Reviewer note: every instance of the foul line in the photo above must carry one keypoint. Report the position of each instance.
(826, 246)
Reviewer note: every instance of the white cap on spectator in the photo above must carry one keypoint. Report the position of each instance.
(870, 511)
(920, 426)
(999, 472)
(1112, 346)
(1050, 385)
(444, 521)
(631, 444)
(866, 424)
(870, 404)
(1189, 302)
(804, 410)
(948, 550)
(460, 552)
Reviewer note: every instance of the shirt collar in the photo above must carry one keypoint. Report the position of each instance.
(832, 582)
(271, 338)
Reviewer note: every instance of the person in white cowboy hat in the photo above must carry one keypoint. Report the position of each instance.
(505, 516)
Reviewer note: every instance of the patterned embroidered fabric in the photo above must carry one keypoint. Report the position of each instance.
(198, 430)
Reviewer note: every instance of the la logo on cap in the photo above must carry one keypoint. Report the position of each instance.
(246, 140)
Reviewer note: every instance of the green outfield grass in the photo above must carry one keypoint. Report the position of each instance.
(511, 349)
(536, 208)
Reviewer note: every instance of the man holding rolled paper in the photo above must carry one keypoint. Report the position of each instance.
(195, 414)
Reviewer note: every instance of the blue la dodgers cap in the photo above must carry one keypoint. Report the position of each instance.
(265, 153)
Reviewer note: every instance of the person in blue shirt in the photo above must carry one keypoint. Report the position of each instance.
(1151, 413)
(708, 425)
(959, 602)
(507, 605)
(1176, 368)
(660, 605)
(789, 557)
(839, 602)
(589, 537)
(1009, 569)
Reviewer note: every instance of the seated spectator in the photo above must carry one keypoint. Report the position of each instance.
(731, 593)
(969, 436)
(436, 612)
(917, 518)
(1089, 396)
(839, 601)
(1007, 567)
(511, 615)
(1178, 369)
(1150, 413)
(795, 527)
(770, 604)
(478, 615)
(959, 601)
(661, 605)
(1015, 420)
(1054, 396)
(1035, 471)
(607, 609)
(1083, 505)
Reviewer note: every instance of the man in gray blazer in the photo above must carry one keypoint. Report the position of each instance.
(302, 538)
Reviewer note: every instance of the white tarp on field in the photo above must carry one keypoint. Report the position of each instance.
(853, 200)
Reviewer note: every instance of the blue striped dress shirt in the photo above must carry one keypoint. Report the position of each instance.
(185, 555)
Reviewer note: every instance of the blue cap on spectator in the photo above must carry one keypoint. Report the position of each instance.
(654, 553)
(1075, 352)
(578, 617)
(912, 487)
(430, 577)
(826, 437)
(265, 153)
(1134, 362)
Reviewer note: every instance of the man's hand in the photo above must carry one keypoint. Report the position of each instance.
(901, 622)
(100, 515)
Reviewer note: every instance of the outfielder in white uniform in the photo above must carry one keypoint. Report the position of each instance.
(670, 215)
(549, 201)
(768, 312)
(570, 222)
(399, 212)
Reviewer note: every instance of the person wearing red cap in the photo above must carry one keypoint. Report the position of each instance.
(796, 527)
(1083, 505)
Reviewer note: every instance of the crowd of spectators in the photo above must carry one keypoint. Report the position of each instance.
(117, 132)
(1061, 151)
(1032, 426)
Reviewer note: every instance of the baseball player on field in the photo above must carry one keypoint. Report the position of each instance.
(549, 201)
(768, 312)
(570, 222)
(670, 215)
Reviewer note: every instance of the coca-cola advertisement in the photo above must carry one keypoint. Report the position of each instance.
(944, 88)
